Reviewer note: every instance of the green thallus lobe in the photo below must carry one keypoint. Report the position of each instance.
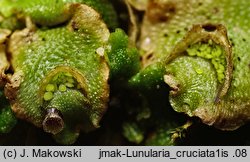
(59, 81)
(61, 73)
(50, 12)
(7, 118)
(206, 81)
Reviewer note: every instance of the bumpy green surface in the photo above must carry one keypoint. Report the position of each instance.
(55, 49)
(162, 35)
(148, 78)
(7, 118)
(45, 12)
(53, 12)
(53, 53)
(124, 61)
(199, 94)
(66, 67)
(198, 83)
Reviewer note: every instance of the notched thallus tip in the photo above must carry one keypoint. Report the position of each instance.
(53, 122)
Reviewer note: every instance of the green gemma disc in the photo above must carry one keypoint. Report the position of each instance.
(62, 88)
(48, 96)
(50, 88)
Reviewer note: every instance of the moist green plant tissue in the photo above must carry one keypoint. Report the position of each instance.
(107, 72)
(61, 70)
(213, 53)
(202, 47)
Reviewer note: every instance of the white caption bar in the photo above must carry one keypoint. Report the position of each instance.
(124, 153)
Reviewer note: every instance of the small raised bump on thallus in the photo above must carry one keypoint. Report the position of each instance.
(100, 51)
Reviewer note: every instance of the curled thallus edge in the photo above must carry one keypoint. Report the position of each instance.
(204, 32)
(4, 64)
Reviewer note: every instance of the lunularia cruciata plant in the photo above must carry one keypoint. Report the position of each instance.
(66, 68)
(200, 50)
(61, 70)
